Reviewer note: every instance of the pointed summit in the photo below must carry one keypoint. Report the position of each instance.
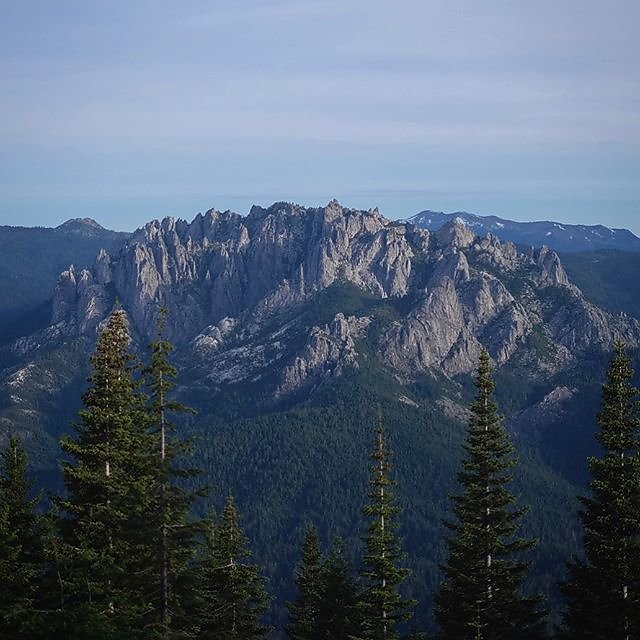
(76, 225)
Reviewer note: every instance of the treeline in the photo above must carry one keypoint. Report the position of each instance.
(120, 555)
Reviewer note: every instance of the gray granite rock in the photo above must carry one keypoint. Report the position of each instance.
(235, 285)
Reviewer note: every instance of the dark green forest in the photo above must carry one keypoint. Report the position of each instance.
(608, 278)
(346, 538)
(24, 308)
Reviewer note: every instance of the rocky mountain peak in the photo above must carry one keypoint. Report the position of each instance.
(222, 264)
(277, 209)
(76, 224)
(237, 287)
(551, 270)
(455, 234)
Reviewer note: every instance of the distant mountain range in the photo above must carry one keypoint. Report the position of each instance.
(568, 238)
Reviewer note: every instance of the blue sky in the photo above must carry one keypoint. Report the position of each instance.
(130, 110)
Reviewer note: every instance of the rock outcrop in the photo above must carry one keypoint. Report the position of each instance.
(236, 286)
(329, 351)
(221, 264)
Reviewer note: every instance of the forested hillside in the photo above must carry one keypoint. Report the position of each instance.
(32, 259)
(608, 278)
(292, 471)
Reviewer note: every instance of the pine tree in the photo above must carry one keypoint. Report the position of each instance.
(104, 557)
(481, 597)
(340, 611)
(603, 591)
(175, 536)
(21, 545)
(305, 611)
(233, 598)
(383, 606)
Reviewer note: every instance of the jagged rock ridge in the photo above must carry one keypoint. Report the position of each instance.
(236, 284)
(221, 264)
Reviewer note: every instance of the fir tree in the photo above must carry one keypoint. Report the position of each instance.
(383, 606)
(482, 593)
(175, 539)
(603, 591)
(233, 598)
(105, 558)
(305, 611)
(339, 609)
(21, 545)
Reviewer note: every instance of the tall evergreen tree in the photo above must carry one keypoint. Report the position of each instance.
(328, 606)
(21, 545)
(339, 609)
(383, 606)
(481, 597)
(603, 591)
(170, 590)
(105, 559)
(233, 598)
(305, 611)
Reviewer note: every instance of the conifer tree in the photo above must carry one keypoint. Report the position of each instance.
(21, 545)
(305, 611)
(603, 590)
(383, 606)
(481, 597)
(340, 611)
(104, 558)
(233, 598)
(174, 541)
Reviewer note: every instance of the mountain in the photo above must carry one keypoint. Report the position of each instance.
(230, 280)
(560, 237)
(293, 325)
(608, 278)
(86, 227)
(32, 259)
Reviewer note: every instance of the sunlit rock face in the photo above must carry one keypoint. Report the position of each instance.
(236, 287)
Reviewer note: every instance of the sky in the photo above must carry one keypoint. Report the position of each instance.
(130, 110)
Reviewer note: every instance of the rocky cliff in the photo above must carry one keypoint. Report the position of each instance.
(224, 265)
(237, 289)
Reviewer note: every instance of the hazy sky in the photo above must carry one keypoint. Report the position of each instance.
(130, 110)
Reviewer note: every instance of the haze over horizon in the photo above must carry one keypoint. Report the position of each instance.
(125, 112)
(190, 218)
